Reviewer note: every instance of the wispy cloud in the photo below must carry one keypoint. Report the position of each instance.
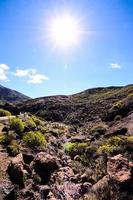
(32, 75)
(37, 78)
(24, 72)
(115, 66)
(3, 72)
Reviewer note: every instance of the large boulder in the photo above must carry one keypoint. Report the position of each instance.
(44, 164)
(16, 171)
(120, 169)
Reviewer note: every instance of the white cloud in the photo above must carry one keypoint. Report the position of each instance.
(24, 72)
(21, 73)
(115, 66)
(37, 78)
(3, 72)
(31, 74)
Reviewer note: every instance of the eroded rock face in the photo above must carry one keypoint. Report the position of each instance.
(120, 169)
(16, 171)
(44, 164)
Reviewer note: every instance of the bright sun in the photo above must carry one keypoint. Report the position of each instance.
(64, 31)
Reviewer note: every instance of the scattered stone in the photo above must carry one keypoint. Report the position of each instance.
(79, 138)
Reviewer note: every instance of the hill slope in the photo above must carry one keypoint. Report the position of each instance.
(12, 96)
(86, 106)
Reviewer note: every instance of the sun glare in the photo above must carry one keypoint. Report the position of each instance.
(64, 31)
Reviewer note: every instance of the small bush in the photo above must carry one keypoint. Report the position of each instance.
(30, 124)
(69, 147)
(106, 148)
(4, 113)
(34, 139)
(13, 148)
(75, 148)
(116, 140)
(17, 125)
(111, 145)
(37, 121)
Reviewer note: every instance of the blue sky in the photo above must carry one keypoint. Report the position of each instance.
(31, 64)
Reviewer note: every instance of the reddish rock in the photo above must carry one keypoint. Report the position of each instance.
(101, 185)
(64, 174)
(44, 164)
(119, 169)
(16, 171)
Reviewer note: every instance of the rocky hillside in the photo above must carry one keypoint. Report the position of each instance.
(12, 96)
(83, 107)
(87, 156)
(50, 160)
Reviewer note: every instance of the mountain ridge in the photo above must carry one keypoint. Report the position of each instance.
(11, 96)
(80, 107)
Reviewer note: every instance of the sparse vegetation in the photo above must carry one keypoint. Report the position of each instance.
(30, 123)
(4, 113)
(34, 139)
(109, 146)
(13, 148)
(17, 125)
(75, 148)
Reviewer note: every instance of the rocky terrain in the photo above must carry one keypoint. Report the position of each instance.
(82, 107)
(69, 147)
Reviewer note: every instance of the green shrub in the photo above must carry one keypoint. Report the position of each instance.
(34, 139)
(115, 140)
(4, 113)
(75, 148)
(36, 120)
(106, 148)
(30, 124)
(110, 145)
(17, 125)
(13, 148)
(69, 147)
